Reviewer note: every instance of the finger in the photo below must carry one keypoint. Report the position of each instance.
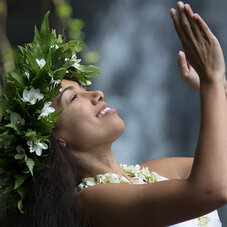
(182, 64)
(203, 27)
(185, 21)
(177, 25)
(194, 25)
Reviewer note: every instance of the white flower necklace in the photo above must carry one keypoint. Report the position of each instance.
(138, 176)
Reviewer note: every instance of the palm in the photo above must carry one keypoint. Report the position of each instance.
(189, 75)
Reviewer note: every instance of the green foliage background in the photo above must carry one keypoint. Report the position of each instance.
(61, 18)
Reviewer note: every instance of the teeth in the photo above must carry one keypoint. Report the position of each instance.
(104, 111)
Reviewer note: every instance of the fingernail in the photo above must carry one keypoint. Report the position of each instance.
(186, 6)
(195, 16)
(172, 11)
(180, 3)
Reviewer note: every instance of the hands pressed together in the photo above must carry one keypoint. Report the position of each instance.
(202, 60)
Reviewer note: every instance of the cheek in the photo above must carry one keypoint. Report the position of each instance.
(82, 128)
(78, 123)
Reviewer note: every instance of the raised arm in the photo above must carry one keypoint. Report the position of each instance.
(169, 202)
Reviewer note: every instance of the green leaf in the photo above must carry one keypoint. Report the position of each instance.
(45, 36)
(48, 64)
(22, 191)
(88, 68)
(79, 45)
(18, 78)
(45, 29)
(7, 139)
(32, 61)
(20, 206)
(19, 180)
(30, 133)
(30, 164)
(14, 126)
(94, 74)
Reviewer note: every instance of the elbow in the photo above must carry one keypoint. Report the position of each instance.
(218, 195)
(223, 196)
(215, 193)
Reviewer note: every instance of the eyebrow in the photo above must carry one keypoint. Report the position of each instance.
(66, 89)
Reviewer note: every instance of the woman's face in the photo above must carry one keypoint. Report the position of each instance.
(82, 124)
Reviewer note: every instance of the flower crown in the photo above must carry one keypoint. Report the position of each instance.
(26, 115)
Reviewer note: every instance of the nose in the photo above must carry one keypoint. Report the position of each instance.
(97, 97)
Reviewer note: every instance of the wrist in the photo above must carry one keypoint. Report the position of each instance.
(211, 79)
(211, 85)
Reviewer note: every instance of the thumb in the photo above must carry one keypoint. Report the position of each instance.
(182, 63)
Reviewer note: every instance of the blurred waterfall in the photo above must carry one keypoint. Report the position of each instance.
(139, 75)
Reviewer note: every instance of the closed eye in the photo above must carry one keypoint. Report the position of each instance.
(73, 97)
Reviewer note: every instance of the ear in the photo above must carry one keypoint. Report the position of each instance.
(62, 142)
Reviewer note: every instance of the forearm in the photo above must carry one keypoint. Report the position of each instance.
(210, 164)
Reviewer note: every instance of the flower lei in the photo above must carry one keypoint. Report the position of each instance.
(26, 115)
(139, 176)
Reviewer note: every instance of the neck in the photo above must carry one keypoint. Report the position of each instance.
(99, 160)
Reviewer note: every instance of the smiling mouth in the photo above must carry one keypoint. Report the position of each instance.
(104, 111)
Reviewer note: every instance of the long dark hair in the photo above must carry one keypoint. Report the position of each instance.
(52, 200)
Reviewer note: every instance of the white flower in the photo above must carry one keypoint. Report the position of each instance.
(76, 61)
(60, 89)
(131, 169)
(88, 82)
(32, 96)
(54, 46)
(41, 62)
(20, 152)
(81, 186)
(123, 166)
(47, 109)
(155, 178)
(89, 181)
(54, 83)
(15, 118)
(145, 171)
(137, 180)
(124, 180)
(100, 179)
(112, 178)
(36, 146)
(27, 75)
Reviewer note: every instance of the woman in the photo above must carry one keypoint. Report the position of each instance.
(86, 129)
(187, 195)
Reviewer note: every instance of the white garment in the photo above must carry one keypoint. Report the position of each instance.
(214, 221)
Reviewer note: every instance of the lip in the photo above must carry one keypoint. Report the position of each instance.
(102, 108)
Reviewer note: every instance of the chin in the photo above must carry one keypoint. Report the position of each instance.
(118, 128)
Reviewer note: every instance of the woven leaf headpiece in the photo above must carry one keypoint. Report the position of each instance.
(26, 115)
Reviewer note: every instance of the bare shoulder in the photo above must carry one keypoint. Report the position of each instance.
(172, 167)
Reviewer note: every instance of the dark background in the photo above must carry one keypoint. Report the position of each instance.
(138, 62)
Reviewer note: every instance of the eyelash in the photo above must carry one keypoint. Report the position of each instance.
(74, 96)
